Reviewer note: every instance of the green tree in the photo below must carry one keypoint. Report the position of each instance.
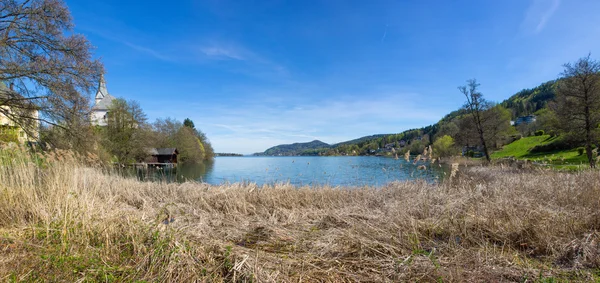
(577, 103)
(208, 149)
(189, 123)
(191, 150)
(125, 136)
(496, 126)
(444, 147)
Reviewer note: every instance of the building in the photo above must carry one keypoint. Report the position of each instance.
(27, 129)
(525, 120)
(101, 104)
(162, 155)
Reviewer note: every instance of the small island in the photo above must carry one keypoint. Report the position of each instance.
(228, 154)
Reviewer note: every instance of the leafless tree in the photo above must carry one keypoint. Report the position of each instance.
(577, 103)
(476, 105)
(43, 65)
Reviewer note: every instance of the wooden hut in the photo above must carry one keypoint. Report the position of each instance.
(162, 155)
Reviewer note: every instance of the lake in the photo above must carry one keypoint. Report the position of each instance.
(310, 170)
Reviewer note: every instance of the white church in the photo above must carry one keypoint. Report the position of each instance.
(101, 104)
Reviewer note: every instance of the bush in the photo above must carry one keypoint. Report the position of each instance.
(539, 132)
(580, 150)
(553, 146)
(470, 153)
(444, 147)
(552, 134)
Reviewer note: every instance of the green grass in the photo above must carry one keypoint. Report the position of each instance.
(562, 159)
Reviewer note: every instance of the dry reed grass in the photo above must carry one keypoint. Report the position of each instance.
(61, 221)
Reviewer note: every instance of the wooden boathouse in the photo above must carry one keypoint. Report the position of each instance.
(162, 157)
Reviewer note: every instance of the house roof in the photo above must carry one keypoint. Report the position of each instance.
(162, 151)
(105, 103)
(167, 151)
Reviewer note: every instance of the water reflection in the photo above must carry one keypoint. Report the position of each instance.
(194, 172)
(335, 171)
(181, 173)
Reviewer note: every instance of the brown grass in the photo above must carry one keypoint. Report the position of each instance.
(61, 221)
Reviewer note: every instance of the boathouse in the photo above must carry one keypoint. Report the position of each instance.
(162, 155)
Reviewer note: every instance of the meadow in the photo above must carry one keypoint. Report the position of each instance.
(63, 218)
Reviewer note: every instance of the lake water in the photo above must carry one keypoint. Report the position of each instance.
(313, 170)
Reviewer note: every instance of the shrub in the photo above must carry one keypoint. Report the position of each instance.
(539, 132)
(553, 146)
(444, 146)
(470, 153)
(515, 138)
(580, 150)
(552, 133)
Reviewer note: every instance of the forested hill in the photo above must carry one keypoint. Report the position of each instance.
(528, 101)
(294, 149)
(360, 140)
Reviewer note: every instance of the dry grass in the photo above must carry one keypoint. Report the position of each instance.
(60, 221)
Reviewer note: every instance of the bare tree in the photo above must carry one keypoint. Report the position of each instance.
(476, 105)
(577, 103)
(43, 65)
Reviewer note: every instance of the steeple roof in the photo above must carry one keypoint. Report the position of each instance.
(102, 91)
(103, 98)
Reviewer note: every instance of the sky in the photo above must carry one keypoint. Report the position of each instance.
(254, 74)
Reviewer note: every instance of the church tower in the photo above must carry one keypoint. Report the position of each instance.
(102, 91)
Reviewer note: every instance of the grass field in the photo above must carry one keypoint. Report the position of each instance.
(520, 149)
(63, 221)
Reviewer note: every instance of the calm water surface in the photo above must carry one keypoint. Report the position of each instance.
(331, 170)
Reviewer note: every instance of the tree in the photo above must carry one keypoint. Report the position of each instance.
(164, 132)
(476, 105)
(189, 123)
(46, 66)
(444, 147)
(190, 148)
(577, 102)
(208, 149)
(446, 129)
(125, 134)
(496, 126)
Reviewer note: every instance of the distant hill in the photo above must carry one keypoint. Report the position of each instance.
(294, 149)
(361, 140)
(522, 103)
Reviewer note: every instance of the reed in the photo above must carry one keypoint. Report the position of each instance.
(62, 219)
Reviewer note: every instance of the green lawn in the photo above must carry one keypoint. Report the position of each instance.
(520, 150)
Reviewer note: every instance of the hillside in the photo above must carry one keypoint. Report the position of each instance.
(524, 102)
(543, 149)
(361, 140)
(528, 101)
(294, 149)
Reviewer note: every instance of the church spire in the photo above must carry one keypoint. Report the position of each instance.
(102, 91)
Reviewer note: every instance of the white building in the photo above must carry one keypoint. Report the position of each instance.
(28, 128)
(101, 104)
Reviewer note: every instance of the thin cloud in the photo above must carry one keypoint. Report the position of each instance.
(539, 13)
(223, 52)
(330, 121)
(148, 51)
(384, 33)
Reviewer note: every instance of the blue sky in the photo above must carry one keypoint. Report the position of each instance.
(254, 74)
